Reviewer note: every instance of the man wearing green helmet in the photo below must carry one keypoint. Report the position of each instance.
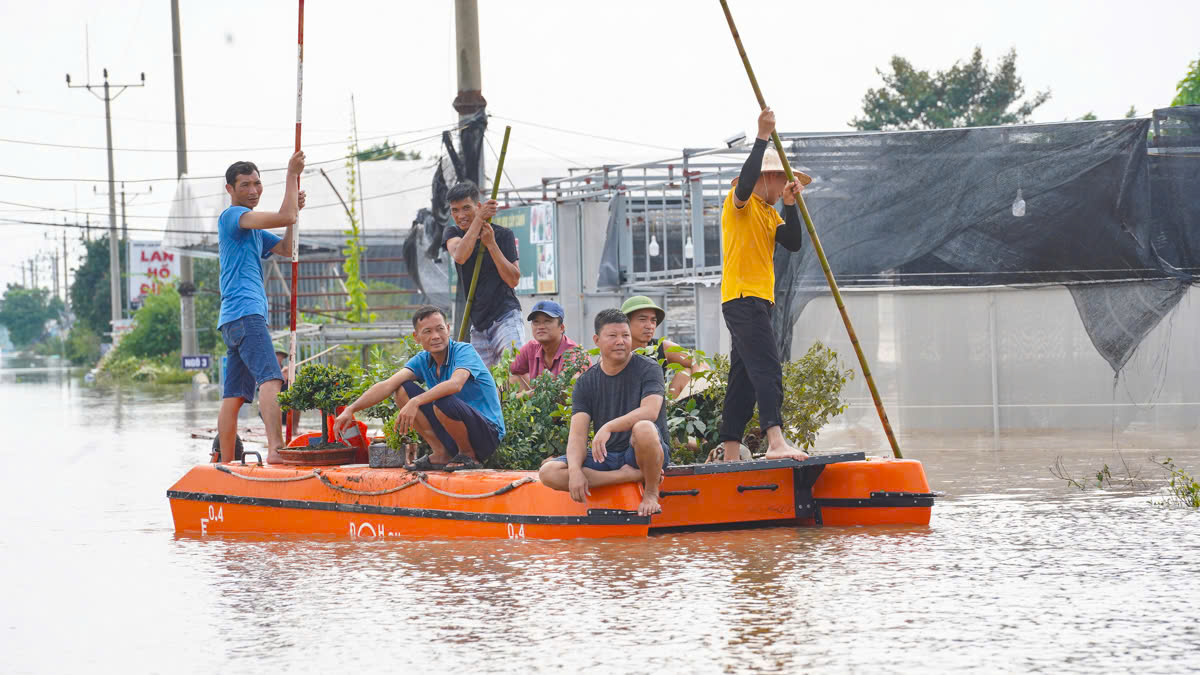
(644, 320)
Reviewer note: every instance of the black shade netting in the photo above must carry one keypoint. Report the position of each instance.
(1086, 204)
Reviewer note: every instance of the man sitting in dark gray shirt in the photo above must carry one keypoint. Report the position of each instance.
(623, 396)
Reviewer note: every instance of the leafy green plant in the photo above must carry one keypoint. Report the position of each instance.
(396, 440)
(537, 424)
(812, 387)
(382, 363)
(319, 387)
(161, 369)
(1182, 488)
(155, 326)
(83, 345)
(360, 311)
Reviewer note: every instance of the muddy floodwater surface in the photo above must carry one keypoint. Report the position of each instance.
(1017, 572)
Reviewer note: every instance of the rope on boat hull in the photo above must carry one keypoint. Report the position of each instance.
(420, 478)
(494, 493)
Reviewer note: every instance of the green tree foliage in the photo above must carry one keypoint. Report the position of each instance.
(155, 329)
(83, 344)
(1187, 92)
(90, 291)
(385, 150)
(967, 95)
(207, 275)
(25, 311)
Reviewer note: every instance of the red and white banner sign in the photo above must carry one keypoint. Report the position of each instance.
(150, 268)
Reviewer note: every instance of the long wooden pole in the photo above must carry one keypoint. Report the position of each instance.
(816, 241)
(465, 327)
(296, 228)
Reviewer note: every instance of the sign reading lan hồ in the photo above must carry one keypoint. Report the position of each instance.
(150, 268)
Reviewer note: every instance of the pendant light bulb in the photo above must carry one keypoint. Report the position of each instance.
(1018, 207)
(653, 246)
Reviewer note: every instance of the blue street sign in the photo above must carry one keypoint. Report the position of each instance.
(197, 362)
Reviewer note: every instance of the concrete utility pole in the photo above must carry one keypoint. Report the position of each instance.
(470, 80)
(187, 283)
(125, 247)
(114, 265)
(66, 285)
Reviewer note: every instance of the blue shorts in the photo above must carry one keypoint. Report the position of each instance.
(613, 460)
(480, 433)
(250, 356)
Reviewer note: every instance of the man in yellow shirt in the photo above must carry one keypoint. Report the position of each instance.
(750, 227)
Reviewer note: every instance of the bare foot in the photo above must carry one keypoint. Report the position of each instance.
(273, 456)
(786, 452)
(649, 505)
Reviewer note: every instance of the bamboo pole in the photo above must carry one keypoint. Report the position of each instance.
(291, 418)
(465, 327)
(816, 241)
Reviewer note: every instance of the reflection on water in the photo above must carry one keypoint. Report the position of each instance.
(1016, 573)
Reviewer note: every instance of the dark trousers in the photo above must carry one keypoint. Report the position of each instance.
(483, 438)
(755, 372)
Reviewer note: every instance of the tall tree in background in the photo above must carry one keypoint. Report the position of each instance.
(966, 95)
(90, 290)
(25, 311)
(1188, 90)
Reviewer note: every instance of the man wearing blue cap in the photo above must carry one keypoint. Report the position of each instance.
(544, 353)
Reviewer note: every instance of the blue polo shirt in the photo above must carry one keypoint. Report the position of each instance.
(479, 392)
(242, 252)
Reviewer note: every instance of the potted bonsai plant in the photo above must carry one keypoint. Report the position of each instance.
(318, 387)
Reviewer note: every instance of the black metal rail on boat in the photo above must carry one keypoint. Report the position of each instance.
(882, 499)
(593, 517)
(761, 464)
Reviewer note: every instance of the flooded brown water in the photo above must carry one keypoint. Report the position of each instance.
(1016, 573)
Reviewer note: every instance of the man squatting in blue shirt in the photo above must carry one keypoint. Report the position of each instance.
(457, 414)
(244, 244)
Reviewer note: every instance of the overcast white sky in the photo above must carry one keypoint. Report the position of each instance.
(652, 73)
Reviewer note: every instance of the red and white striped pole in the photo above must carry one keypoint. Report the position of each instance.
(296, 228)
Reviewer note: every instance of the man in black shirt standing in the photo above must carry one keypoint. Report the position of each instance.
(496, 322)
(623, 397)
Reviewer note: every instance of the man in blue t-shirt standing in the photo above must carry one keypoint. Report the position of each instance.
(244, 244)
(458, 411)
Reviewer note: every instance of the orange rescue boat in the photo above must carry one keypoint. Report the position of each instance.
(358, 501)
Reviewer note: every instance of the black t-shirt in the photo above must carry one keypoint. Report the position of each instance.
(661, 353)
(607, 397)
(493, 297)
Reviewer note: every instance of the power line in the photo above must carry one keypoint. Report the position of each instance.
(14, 222)
(584, 133)
(34, 208)
(190, 150)
(152, 121)
(175, 178)
(27, 208)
